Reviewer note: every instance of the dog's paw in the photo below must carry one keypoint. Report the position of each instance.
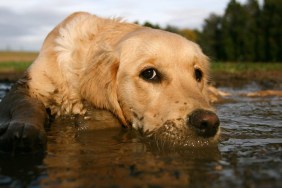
(21, 137)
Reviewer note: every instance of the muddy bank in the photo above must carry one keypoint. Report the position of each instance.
(267, 79)
(10, 77)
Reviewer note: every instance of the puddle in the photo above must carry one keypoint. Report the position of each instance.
(249, 154)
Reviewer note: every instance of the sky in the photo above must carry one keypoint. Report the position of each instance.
(25, 23)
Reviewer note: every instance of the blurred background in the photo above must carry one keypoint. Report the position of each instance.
(244, 35)
(227, 30)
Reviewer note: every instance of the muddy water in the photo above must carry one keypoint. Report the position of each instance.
(88, 155)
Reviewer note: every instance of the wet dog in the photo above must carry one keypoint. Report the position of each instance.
(151, 80)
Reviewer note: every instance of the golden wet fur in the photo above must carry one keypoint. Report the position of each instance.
(87, 58)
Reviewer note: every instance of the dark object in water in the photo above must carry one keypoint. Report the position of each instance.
(20, 129)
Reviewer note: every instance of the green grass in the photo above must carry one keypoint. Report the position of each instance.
(14, 66)
(245, 67)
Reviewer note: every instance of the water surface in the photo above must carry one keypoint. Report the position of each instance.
(86, 154)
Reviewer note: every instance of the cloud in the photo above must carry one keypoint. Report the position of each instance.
(26, 30)
(9, 26)
(187, 18)
(25, 24)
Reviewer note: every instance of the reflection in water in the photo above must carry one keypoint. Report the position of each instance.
(109, 157)
(82, 153)
(21, 171)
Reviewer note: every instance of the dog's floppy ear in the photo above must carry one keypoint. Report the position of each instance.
(99, 83)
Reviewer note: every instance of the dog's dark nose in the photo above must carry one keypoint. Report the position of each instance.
(204, 122)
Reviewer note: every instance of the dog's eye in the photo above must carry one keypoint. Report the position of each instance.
(198, 74)
(151, 75)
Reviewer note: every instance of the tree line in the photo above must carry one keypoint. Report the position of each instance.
(244, 33)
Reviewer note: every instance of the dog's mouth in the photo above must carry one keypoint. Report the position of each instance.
(175, 136)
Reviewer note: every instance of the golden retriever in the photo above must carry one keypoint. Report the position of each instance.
(151, 80)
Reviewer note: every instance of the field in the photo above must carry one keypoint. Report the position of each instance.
(14, 56)
(229, 67)
(15, 61)
(12, 64)
(268, 75)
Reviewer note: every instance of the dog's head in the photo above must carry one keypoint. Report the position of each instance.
(158, 85)
(161, 88)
